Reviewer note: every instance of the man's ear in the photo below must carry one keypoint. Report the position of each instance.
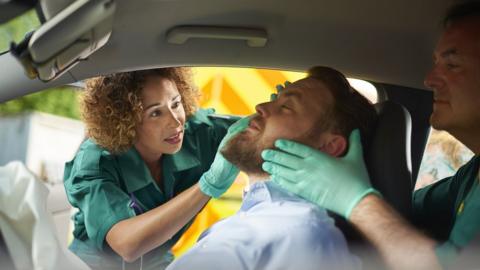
(334, 145)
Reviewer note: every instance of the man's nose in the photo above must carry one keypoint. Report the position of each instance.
(262, 109)
(432, 79)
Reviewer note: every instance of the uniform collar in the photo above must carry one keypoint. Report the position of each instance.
(180, 161)
(134, 170)
(136, 174)
(200, 117)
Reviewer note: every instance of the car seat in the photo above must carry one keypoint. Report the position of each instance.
(388, 161)
(388, 158)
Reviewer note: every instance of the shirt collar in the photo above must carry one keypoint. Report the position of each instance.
(266, 191)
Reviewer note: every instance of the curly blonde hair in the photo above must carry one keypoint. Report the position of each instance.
(112, 106)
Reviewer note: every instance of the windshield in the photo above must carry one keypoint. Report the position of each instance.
(15, 29)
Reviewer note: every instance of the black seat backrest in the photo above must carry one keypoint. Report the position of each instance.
(389, 160)
(389, 164)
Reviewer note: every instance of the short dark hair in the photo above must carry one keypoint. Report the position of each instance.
(463, 10)
(350, 110)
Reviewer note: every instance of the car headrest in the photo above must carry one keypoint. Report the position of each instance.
(388, 158)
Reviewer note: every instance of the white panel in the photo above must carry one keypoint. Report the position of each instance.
(52, 141)
(13, 138)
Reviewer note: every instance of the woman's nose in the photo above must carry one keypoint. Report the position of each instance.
(174, 119)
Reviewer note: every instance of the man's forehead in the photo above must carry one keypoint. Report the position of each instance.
(292, 90)
(307, 82)
(308, 91)
(306, 86)
(459, 37)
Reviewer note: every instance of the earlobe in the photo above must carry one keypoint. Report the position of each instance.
(334, 145)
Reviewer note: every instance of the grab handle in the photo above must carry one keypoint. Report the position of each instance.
(181, 34)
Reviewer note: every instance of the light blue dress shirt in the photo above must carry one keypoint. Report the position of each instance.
(273, 229)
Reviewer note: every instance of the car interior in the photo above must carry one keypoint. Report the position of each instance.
(387, 43)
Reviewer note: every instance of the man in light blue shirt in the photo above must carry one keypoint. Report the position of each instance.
(275, 229)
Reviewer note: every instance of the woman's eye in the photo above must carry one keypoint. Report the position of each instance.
(285, 107)
(176, 104)
(155, 113)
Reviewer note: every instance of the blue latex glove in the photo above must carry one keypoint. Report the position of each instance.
(222, 173)
(337, 184)
(279, 88)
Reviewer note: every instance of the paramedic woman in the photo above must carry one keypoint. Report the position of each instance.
(149, 165)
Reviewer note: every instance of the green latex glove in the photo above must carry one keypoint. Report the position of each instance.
(222, 173)
(279, 88)
(337, 184)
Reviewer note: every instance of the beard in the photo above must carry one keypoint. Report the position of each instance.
(244, 151)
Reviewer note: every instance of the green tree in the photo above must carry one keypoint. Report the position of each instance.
(60, 101)
(15, 29)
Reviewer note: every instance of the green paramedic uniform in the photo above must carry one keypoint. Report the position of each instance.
(450, 209)
(102, 185)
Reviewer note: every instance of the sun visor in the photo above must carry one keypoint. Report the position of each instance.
(66, 39)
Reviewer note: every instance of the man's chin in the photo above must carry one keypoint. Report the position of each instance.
(437, 123)
(243, 151)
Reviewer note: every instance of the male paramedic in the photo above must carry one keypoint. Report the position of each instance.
(275, 229)
(342, 185)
